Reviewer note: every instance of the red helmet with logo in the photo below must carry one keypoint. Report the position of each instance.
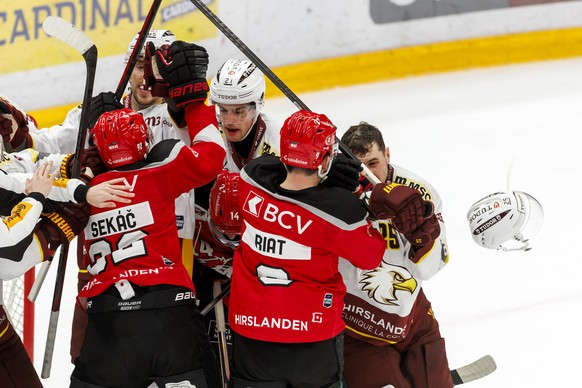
(224, 208)
(306, 138)
(121, 137)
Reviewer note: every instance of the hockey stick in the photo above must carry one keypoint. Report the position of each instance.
(221, 331)
(473, 371)
(38, 282)
(143, 33)
(217, 298)
(61, 29)
(271, 75)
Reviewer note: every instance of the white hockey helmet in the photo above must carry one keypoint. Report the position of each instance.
(158, 37)
(505, 221)
(238, 81)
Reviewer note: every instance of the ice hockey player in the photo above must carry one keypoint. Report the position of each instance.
(287, 294)
(134, 252)
(26, 241)
(237, 92)
(392, 335)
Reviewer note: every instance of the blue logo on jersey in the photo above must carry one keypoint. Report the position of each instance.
(327, 300)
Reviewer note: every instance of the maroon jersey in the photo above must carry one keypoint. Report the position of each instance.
(286, 286)
(139, 242)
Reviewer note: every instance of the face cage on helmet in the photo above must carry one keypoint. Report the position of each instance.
(333, 155)
(223, 238)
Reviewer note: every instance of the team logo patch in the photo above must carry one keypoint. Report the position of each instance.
(253, 204)
(327, 300)
(179, 222)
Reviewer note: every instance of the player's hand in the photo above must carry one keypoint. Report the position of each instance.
(403, 205)
(91, 165)
(61, 225)
(41, 181)
(411, 215)
(101, 103)
(185, 74)
(427, 231)
(106, 194)
(344, 173)
(14, 126)
(151, 74)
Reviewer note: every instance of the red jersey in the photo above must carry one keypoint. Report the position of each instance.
(139, 242)
(286, 286)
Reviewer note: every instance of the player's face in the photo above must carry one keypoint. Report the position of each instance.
(236, 120)
(377, 161)
(140, 98)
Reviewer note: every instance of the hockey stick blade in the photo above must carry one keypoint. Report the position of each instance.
(63, 30)
(473, 371)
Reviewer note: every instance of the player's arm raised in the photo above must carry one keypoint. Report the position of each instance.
(185, 78)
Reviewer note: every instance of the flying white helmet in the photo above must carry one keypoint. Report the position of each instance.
(238, 81)
(505, 221)
(158, 37)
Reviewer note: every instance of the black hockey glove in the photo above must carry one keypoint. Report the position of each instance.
(101, 103)
(344, 173)
(185, 75)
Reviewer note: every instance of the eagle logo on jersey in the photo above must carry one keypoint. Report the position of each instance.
(382, 283)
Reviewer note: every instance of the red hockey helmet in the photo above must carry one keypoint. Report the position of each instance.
(121, 137)
(224, 208)
(306, 138)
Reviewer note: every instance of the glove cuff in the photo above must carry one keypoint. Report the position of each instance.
(21, 140)
(195, 90)
(61, 225)
(66, 168)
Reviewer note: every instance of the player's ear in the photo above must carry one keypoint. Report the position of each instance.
(326, 163)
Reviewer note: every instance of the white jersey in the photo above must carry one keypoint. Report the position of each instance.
(379, 302)
(63, 138)
(208, 248)
(28, 160)
(63, 190)
(19, 248)
(269, 143)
